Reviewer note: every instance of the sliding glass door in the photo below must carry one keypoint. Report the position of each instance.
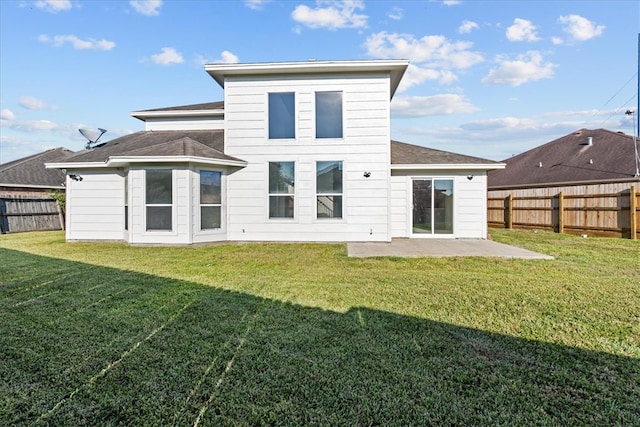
(432, 207)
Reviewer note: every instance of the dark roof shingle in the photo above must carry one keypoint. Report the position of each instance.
(409, 154)
(30, 171)
(197, 143)
(570, 159)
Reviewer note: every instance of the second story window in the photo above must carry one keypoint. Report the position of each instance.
(282, 117)
(328, 114)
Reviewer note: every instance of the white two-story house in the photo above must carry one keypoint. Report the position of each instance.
(297, 151)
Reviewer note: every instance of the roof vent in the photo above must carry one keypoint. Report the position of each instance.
(590, 140)
(540, 164)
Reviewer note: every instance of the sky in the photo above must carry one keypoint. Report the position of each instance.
(486, 78)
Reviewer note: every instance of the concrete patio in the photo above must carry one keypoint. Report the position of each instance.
(416, 248)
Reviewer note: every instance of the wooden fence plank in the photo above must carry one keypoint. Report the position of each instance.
(601, 213)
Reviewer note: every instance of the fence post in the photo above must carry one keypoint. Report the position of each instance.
(560, 213)
(633, 215)
(509, 223)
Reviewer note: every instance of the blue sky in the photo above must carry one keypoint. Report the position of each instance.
(487, 78)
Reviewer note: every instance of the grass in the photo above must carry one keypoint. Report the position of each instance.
(300, 334)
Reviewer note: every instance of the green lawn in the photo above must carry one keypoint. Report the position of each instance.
(300, 334)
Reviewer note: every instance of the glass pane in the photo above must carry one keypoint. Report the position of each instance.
(443, 206)
(329, 177)
(158, 218)
(158, 186)
(280, 207)
(329, 115)
(281, 177)
(210, 188)
(210, 217)
(281, 115)
(422, 206)
(329, 207)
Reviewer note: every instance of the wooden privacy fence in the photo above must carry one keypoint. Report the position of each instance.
(608, 214)
(29, 214)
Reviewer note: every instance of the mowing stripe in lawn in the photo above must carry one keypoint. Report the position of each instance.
(227, 368)
(35, 299)
(92, 380)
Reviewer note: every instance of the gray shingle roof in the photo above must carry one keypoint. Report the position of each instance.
(570, 159)
(196, 143)
(30, 171)
(218, 105)
(409, 154)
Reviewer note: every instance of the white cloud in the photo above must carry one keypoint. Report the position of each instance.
(54, 6)
(31, 103)
(522, 30)
(226, 57)
(7, 114)
(451, 2)
(467, 27)
(76, 42)
(146, 7)
(580, 28)
(523, 69)
(396, 14)
(331, 14)
(168, 56)
(416, 75)
(437, 105)
(255, 4)
(436, 51)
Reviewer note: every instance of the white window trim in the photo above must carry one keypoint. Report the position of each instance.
(295, 193)
(343, 194)
(174, 196)
(210, 231)
(296, 116)
(313, 115)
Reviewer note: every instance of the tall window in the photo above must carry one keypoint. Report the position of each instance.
(281, 189)
(329, 189)
(159, 199)
(328, 114)
(282, 120)
(210, 200)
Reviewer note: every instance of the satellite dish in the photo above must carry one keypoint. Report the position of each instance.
(92, 137)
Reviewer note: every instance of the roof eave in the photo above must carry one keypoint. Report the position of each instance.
(450, 166)
(60, 187)
(396, 68)
(143, 115)
(121, 161)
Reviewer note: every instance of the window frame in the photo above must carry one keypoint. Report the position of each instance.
(282, 195)
(173, 229)
(200, 205)
(340, 194)
(294, 119)
(315, 116)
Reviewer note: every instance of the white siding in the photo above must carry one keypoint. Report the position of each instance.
(95, 205)
(470, 202)
(185, 123)
(364, 148)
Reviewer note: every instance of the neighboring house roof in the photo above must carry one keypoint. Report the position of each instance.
(30, 171)
(571, 159)
(409, 156)
(188, 145)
